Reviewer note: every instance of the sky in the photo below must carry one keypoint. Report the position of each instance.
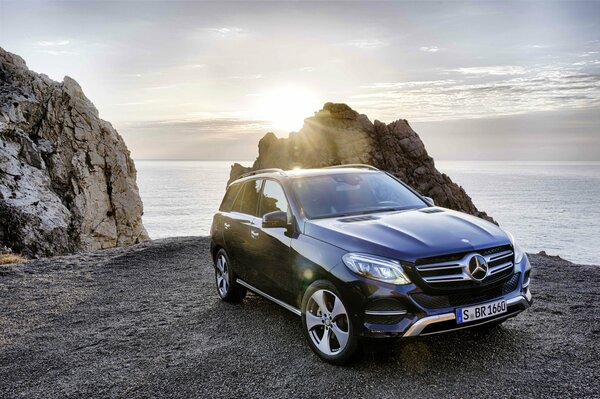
(203, 80)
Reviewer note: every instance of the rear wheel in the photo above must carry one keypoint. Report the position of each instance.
(227, 287)
(327, 325)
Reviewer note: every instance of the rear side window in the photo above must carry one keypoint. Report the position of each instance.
(230, 195)
(247, 200)
(272, 199)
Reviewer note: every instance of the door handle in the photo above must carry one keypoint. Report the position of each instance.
(226, 225)
(254, 233)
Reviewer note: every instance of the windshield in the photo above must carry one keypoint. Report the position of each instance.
(351, 194)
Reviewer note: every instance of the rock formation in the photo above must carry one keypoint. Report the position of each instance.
(339, 135)
(67, 181)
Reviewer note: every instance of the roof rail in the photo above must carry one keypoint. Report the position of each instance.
(255, 172)
(352, 165)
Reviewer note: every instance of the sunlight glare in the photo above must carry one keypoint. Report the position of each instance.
(287, 107)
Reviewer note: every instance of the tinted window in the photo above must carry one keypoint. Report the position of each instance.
(230, 195)
(272, 199)
(247, 200)
(352, 193)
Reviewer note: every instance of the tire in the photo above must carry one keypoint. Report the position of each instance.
(227, 287)
(324, 315)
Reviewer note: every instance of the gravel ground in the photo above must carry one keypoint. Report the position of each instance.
(146, 322)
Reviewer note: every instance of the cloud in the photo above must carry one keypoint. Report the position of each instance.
(537, 46)
(402, 85)
(430, 49)
(51, 43)
(247, 77)
(203, 127)
(367, 43)
(142, 74)
(491, 70)
(227, 31)
(545, 90)
(57, 52)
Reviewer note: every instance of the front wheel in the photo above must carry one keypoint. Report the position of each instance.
(227, 287)
(327, 325)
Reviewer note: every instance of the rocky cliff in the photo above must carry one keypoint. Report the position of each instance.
(339, 135)
(67, 181)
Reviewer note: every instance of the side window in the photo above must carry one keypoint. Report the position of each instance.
(247, 200)
(272, 199)
(230, 195)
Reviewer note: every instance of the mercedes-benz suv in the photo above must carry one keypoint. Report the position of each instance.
(357, 253)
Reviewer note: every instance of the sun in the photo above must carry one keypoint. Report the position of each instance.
(287, 107)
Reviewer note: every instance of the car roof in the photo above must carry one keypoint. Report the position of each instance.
(299, 172)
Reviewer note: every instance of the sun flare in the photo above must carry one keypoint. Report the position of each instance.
(287, 107)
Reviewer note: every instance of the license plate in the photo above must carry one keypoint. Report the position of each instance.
(478, 312)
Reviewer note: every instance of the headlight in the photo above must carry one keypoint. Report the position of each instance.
(518, 250)
(376, 268)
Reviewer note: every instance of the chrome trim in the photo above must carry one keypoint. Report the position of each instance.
(277, 301)
(500, 268)
(499, 255)
(463, 264)
(416, 328)
(352, 165)
(420, 325)
(516, 299)
(256, 172)
(503, 317)
(385, 312)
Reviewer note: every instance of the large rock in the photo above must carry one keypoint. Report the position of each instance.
(339, 135)
(67, 181)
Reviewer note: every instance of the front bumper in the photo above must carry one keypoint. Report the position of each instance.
(447, 321)
(423, 314)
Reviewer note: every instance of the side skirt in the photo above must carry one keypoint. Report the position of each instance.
(269, 297)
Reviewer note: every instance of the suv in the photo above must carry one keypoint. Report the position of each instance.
(356, 253)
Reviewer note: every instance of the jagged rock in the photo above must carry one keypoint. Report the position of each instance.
(67, 181)
(339, 135)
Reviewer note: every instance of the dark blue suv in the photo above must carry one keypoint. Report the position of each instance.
(359, 254)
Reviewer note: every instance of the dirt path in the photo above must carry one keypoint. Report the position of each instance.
(146, 322)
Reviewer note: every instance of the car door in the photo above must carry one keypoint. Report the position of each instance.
(273, 245)
(237, 231)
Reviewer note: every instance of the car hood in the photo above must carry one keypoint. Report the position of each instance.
(408, 235)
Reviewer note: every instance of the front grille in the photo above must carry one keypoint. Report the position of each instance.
(451, 271)
(446, 301)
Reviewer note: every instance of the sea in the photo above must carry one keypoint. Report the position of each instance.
(547, 206)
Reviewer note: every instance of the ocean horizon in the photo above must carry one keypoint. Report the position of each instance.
(541, 203)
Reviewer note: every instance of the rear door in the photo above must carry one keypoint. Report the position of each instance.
(238, 239)
(273, 245)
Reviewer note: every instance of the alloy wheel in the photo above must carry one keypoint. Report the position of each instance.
(222, 275)
(327, 322)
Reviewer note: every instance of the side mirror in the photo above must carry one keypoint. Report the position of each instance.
(429, 200)
(275, 219)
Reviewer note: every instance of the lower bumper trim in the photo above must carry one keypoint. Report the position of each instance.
(420, 325)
